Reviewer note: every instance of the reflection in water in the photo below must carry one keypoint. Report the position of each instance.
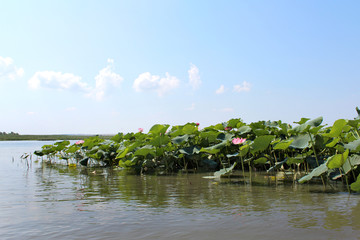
(296, 204)
(58, 202)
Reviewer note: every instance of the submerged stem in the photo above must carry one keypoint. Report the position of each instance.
(242, 167)
(317, 162)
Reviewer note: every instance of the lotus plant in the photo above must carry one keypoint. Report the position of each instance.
(237, 141)
(79, 142)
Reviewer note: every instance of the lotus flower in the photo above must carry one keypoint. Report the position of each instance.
(228, 128)
(197, 124)
(237, 141)
(141, 130)
(79, 142)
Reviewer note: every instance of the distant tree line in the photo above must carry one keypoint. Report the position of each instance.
(11, 133)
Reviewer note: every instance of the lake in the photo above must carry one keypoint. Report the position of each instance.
(40, 201)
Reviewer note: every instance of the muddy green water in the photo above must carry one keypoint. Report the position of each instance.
(43, 202)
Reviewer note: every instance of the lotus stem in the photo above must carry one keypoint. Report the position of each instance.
(317, 162)
(346, 179)
(242, 167)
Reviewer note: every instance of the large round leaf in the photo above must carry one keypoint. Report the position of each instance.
(261, 143)
(301, 141)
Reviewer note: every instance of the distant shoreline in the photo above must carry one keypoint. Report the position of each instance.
(48, 137)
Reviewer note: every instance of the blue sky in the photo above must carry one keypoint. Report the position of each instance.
(102, 67)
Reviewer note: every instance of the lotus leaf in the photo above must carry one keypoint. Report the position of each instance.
(314, 173)
(224, 171)
(301, 141)
(144, 151)
(261, 143)
(337, 160)
(283, 145)
(159, 129)
(261, 160)
(336, 128)
(354, 146)
(355, 186)
(180, 139)
(244, 129)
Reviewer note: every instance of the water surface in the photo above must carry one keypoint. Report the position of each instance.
(39, 201)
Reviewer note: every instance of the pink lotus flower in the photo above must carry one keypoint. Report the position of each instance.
(228, 128)
(197, 124)
(141, 130)
(237, 141)
(79, 142)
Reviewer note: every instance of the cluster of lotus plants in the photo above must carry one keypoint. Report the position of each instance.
(326, 153)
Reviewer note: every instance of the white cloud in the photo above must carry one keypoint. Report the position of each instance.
(105, 80)
(57, 80)
(220, 90)
(194, 77)
(8, 70)
(244, 87)
(148, 82)
(191, 108)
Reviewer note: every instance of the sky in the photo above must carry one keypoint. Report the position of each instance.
(103, 67)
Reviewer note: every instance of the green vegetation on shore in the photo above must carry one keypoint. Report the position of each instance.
(18, 137)
(315, 151)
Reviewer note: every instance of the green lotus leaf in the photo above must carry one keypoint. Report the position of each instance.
(314, 173)
(315, 130)
(180, 139)
(295, 160)
(144, 151)
(277, 165)
(122, 154)
(91, 142)
(225, 136)
(159, 129)
(211, 136)
(72, 149)
(354, 146)
(214, 149)
(315, 122)
(355, 186)
(337, 160)
(301, 128)
(351, 161)
(220, 126)
(261, 143)
(61, 145)
(261, 160)
(333, 142)
(190, 128)
(159, 141)
(354, 123)
(358, 112)
(118, 137)
(302, 120)
(301, 141)
(283, 145)
(244, 150)
(244, 129)
(189, 150)
(224, 171)
(233, 122)
(336, 128)
(261, 132)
